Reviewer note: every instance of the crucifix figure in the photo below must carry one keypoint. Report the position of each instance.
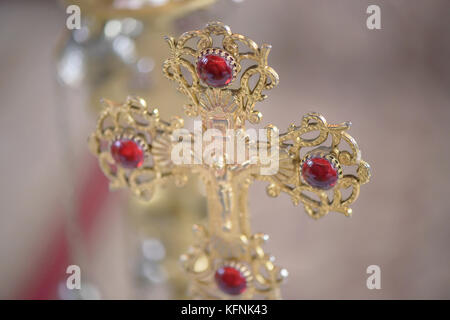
(224, 75)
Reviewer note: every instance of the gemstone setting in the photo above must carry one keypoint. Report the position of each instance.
(321, 171)
(231, 280)
(216, 67)
(128, 152)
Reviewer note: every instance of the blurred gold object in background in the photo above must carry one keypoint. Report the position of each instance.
(113, 54)
(145, 9)
(116, 50)
(163, 227)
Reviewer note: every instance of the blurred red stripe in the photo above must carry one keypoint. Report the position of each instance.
(92, 195)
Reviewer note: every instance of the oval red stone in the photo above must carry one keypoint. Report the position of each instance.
(319, 173)
(127, 153)
(214, 70)
(230, 280)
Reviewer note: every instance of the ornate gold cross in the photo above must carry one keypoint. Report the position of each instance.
(136, 149)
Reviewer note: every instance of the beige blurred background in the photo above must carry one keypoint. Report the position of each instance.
(393, 84)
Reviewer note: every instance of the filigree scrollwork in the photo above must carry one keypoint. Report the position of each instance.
(319, 196)
(209, 255)
(182, 67)
(133, 146)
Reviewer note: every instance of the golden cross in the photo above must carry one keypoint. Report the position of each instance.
(138, 150)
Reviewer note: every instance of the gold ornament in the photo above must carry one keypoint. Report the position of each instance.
(227, 260)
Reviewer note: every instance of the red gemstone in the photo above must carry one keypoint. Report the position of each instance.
(127, 153)
(214, 70)
(319, 173)
(230, 280)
